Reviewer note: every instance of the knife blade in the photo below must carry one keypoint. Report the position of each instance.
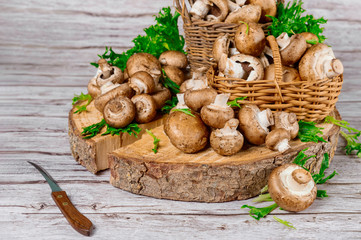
(77, 220)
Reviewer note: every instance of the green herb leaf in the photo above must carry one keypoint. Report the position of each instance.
(184, 110)
(160, 37)
(155, 142)
(131, 129)
(264, 189)
(247, 31)
(263, 198)
(322, 193)
(341, 123)
(288, 224)
(302, 158)
(312, 41)
(308, 132)
(93, 130)
(235, 103)
(80, 98)
(169, 105)
(258, 213)
(172, 86)
(320, 178)
(290, 20)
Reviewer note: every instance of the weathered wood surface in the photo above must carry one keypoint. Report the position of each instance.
(45, 47)
(206, 176)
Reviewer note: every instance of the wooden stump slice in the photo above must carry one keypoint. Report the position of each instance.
(206, 176)
(93, 153)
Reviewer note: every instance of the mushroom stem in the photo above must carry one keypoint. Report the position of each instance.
(229, 128)
(181, 103)
(200, 9)
(108, 87)
(333, 68)
(105, 68)
(283, 146)
(232, 6)
(297, 180)
(283, 40)
(265, 119)
(221, 100)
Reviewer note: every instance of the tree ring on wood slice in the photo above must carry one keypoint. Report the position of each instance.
(93, 153)
(207, 176)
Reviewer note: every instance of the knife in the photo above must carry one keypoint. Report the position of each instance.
(77, 220)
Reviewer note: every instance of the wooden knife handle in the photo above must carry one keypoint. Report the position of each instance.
(77, 220)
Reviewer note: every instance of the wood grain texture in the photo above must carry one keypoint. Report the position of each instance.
(45, 50)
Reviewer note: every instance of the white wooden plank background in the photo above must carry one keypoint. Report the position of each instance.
(45, 50)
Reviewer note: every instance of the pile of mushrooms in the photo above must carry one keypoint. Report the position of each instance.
(135, 94)
(246, 56)
(234, 11)
(202, 116)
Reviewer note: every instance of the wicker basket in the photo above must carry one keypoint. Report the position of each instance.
(311, 101)
(200, 35)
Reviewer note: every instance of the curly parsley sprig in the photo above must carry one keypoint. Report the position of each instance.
(93, 130)
(155, 142)
(81, 98)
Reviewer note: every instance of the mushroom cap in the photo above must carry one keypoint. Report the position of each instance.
(174, 74)
(250, 126)
(253, 67)
(142, 82)
(286, 121)
(227, 141)
(216, 116)
(161, 97)
(309, 36)
(294, 51)
(109, 73)
(250, 40)
(185, 132)
(173, 58)
(318, 63)
(200, 9)
(119, 112)
(218, 11)
(123, 90)
(196, 99)
(277, 140)
(93, 88)
(289, 74)
(247, 13)
(144, 62)
(146, 108)
(221, 46)
(269, 7)
(292, 187)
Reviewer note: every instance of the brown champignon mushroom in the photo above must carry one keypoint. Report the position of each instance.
(309, 37)
(218, 113)
(141, 82)
(278, 140)
(161, 97)
(241, 66)
(291, 49)
(174, 74)
(250, 39)
(218, 11)
(292, 187)
(269, 7)
(174, 58)
(196, 99)
(144, 62)
(119, 112)
(287, 121)
(146, 108)
(289, 74)
(93, 88)
(254, 123)
(221, 46)
(185, 132)
(122, 90)
(318, 63)
(247, 13)
(227, 141)
(200, 9)
(108, 73)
